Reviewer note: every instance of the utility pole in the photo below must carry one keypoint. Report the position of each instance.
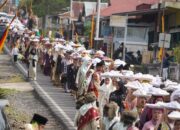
(70, 19)
(97, 24)
(163, 31)
(125, 39)
(98, 19)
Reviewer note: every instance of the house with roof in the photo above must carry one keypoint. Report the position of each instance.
(80, 10)
(138, 27)
(143, 22)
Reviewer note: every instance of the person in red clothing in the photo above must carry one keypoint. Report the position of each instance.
(94, 84)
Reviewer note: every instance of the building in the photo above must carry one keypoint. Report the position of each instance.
(142, 22)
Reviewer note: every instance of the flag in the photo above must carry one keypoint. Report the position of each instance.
(3, 38)
(5, 34)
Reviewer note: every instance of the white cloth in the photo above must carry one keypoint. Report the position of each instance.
(108, 123)
(84, 109)
(15, 51)
(28, 127)
(32, 70)
(104, 92)
(165, 73)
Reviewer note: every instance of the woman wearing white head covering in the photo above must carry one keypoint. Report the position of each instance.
(104, 92)
(81, 77)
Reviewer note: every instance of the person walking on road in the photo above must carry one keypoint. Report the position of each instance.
(15, 52)
(33, 58)
(165, 66)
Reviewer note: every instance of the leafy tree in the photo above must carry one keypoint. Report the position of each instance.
(177, 53)
(44, 7)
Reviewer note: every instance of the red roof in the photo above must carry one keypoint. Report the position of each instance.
(119, 6)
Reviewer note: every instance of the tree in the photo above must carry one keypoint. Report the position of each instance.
(44, 7)
(177, 54)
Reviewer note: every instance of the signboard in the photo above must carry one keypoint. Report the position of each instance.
(118, 21)
(164, 40)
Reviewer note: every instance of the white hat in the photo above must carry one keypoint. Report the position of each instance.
(157, 92)
(175, 115)
(62, 40)
(158, 105)
(172, 105)
(95, 61)
(86, 58)
(156, 82)
(172, 87)
(169, 82)
(141, 93)
(15, 30)
(47, 43)
(134, 85)
(118, 62)
(45, 39)
(35, 40)
(175, 95)
(141, 76)
(115, 74)
(112, 73)
(100, 52)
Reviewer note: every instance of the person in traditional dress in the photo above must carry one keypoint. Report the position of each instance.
(94, 85)
(110, 119)
(58, 68)
(104, 94)
(66, 61)
(47, 64)
(81, 80)
(88, 115)
(33, 58)
(127, 121)
(14, 53)
(175, 117)
(118, 95)
(131, 100)
(156, 122)
(71, 75)
(53, 60)
(146, 114)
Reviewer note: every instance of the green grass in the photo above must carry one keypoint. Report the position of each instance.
(13, 79)
(15, 115)
(5, 92)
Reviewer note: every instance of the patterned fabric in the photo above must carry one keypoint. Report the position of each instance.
(91, 114)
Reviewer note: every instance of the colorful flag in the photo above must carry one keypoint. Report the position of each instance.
(5, 34)
(3, 38)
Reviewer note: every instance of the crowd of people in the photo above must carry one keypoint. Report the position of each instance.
(108, 94)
